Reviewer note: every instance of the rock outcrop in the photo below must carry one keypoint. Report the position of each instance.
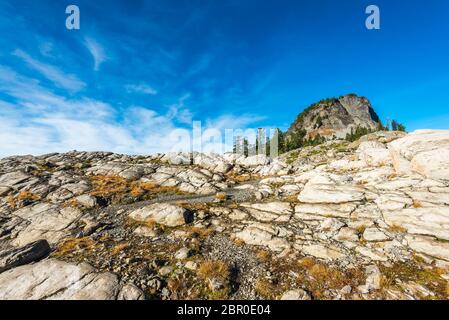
(335, 117)
(57, 280)
(363, 220)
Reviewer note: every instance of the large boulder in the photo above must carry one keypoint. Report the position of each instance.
(433, 221)
(263, 235)
(57, 280)
(45, 221)
(12, 178)
(163, 213)
(429, 246)
(374, 153)
(212, 162)
(177, 158)
(424, 151)
(328, 193)
(254, 161)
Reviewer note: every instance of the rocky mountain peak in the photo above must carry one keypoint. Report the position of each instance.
(335, 117)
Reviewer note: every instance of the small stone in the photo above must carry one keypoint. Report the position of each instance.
(86, 201)
(298, 294)
(373, 280)
(347, 234)
(145, 232)
(164, 271)
(346, 290)
(374, 235)
(331, 224)
(258, 195)
(191, 265)
(182, 253)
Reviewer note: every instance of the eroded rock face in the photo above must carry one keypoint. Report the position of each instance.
(335, 117)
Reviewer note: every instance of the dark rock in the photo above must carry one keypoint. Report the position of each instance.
(31, 252)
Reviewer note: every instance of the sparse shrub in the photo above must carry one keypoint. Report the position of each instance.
(266, 289)
(429, 277)
(211, 269)
(217, 276)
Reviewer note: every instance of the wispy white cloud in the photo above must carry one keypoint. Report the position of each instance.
(141, 88)
(39, 121)
(179, 111)
(230, 121)
(97, 52)
(52, 73)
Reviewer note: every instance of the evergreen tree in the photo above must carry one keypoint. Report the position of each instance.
(394, 125)
(401, 127)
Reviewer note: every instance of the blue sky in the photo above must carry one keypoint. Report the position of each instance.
(138, 70)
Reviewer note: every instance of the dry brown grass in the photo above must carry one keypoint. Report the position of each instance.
(392, 176)
(117, 189)
(200, 232)
(263, 255)
(108, 186)
(417, 204)
(361, 229)
(318, 277)
(182, 288)
(26, 197)
(119, 248)
(241, 178)
(214, 269)
(238, 242)
(325, 277)
(266, 289)
(73, 244)
(429, 277)
(292, 199)
(194, 206)
(397, 229)
(307, 262)
(222, 196)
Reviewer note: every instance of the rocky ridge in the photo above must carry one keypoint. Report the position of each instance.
(335, 117)
(362, 220)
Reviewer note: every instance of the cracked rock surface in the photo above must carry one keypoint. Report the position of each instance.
(361, 220)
